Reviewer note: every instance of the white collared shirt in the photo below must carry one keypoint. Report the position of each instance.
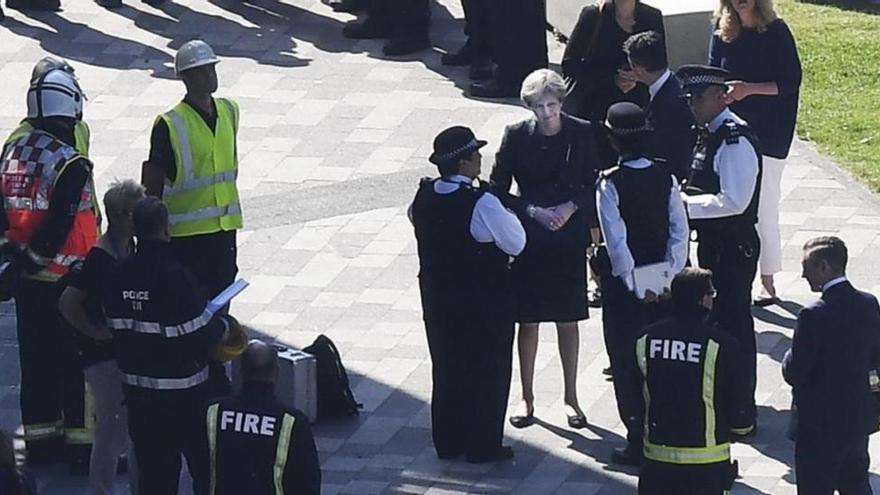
(737, 169)
(615, 234)
(491, 221)
(831, 283)
(654, 88)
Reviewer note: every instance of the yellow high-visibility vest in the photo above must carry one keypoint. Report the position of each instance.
(203, 198)
(81, 133)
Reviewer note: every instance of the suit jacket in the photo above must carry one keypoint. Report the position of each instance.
(519, 154)
(836, 343)
(674, 135)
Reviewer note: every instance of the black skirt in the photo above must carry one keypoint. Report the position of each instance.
(550, 276)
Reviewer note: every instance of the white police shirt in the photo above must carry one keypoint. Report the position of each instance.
(491, 221)
(737, 169)
(614, 229)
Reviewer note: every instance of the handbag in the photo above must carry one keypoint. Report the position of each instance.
(576, 94)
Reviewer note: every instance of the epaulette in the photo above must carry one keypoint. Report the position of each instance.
(733, 133)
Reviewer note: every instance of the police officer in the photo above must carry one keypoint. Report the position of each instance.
(692, 390)
(257, 443)
(49, 221)
(193, 166)
(722, 203)
(465, 240)
(643, 222)
(163, 335)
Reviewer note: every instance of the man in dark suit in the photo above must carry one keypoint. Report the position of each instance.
(835, 348)
(674, 136)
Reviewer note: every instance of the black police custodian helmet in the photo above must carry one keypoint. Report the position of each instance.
(626, 119)
(696, 78)
(453, 144)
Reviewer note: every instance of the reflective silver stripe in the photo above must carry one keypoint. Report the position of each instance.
(199, 182)
(164, 383)
(153, 327)
(26, 203)
(185, 149)
(67, 259)
(212, 212)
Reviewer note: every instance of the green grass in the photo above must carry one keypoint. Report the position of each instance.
(839, 45)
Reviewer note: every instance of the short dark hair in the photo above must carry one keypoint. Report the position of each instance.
(632, 145)
(688, 289)
(453, 167)
(259, 361)
(647, 50)
(831, 249)
(150, 217)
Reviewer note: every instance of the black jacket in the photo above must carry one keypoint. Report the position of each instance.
(674, 136)
(244, 457)
(836, 343)
(161, 329)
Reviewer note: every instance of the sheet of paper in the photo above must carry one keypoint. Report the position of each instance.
(654, 277)
(223, 298)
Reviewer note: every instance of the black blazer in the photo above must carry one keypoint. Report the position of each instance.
(520, 151)
(674, 135)
(836, 343)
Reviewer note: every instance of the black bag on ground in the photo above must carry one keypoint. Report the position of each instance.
(335, 399)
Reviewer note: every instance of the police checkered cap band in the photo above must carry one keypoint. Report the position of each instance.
(697, 79)
(445, 157)
(628, 131)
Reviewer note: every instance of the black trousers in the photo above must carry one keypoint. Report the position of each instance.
(623, 319)
(519, 38)
(162, 431)
(471, 360)
(822, 466)
(733, 258)
(477, 27)
(53, 401)
(660, 478)
(406, 19)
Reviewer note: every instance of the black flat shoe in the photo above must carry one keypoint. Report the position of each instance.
(501, 454)
(607, 371)
(577, 421)
(464, 56)
(522, 421)
(367, 30)
(628, 457)
(405, 46)
(763, 302)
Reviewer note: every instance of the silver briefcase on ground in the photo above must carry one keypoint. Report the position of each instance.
(297, 380)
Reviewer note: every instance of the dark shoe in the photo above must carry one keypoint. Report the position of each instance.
(34, 5)
(628, 456)
(350, 6)
(594, 298)
(764, 301)
(367, 30)
(110, 4)
(522, 421)
(501, 454)
(492, 89)
(740, 435)
(481, 71)
(577, 421)
(464, 56)
(607, 371)
(153, 3)
(405, 46)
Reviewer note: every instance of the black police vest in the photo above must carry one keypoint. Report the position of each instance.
(704, 179)
(453, 266)
(686, 411)
(644, 207)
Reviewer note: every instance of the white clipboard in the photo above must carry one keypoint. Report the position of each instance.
(223, 298)
(656, 277)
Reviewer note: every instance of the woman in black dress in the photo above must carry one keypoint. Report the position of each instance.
(596, 65)
(552, 158)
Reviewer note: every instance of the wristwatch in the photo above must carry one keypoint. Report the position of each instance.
(531, 211)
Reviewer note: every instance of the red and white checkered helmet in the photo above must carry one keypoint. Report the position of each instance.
(55, 94)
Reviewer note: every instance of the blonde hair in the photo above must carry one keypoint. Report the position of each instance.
(730, 25)
(121, 194)
(540, 83)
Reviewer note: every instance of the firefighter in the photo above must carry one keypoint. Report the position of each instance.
(50, 220)
(692, 391)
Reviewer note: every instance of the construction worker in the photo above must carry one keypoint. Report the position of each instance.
(692, 391)
(722, 204)
(49, 221)
(257, 443)
(163, 336)
(193, 166)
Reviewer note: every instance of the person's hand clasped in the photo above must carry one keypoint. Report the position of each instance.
(650, 297)
(625, 80)
(549, 218)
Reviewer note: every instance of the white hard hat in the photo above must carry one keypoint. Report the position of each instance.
(192, 54)
(55, 94)
(48, 64)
